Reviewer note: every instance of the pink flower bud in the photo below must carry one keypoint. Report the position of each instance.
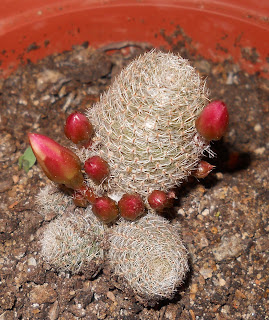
(78, 128)
(203, 170)
(158, 200)
(105, 209)
(96, 168)
(213, 121)
(60, 164)
(131, 206)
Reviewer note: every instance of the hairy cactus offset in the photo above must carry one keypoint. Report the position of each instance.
(73, 241)
(145, 126)
(149, 254)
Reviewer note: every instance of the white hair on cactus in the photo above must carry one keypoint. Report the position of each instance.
(70, 241)
(51, 199)
(149, 254)
(145, 125)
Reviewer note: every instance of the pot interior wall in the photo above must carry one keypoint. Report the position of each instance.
(216, 30)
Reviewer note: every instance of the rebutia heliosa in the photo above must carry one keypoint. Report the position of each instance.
(151, 129)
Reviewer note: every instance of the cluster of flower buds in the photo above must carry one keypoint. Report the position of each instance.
(62, 166)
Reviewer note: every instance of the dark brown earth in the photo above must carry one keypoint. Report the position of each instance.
(224, 217)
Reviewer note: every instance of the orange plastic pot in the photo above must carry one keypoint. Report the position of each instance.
(215, 29)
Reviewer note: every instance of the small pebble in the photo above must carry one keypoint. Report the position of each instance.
(5, 185)
(15, 179)
(43, 294)
(228, 248)
(258, 127)
(230, 78)
(205, 212)
(35, 103)
(181, 212)
(111, 296)
(219, 175)
(32, 262)
(53, 313)
(259, 151)
(214, 230)
(206, 272)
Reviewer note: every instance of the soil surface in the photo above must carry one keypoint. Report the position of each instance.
(224, 217)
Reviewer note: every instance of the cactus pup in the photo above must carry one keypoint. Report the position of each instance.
(74, 241)
(149, 254)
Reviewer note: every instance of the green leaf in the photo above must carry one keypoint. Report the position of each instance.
(27, 160)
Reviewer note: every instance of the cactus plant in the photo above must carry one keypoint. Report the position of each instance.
(145, 126)
(73, 240)
(149, 254)
(146, 135)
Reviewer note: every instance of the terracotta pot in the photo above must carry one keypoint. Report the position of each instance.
(216, 29)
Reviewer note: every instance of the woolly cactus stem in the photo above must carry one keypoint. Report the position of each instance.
(144, 126)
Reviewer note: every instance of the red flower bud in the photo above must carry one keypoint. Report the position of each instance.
(60, 164)
(78, 128)
(87, 193)
(79, 199)
(203, 170)
(158, 200)
(105, 209)
(96, 168)
(83, 196)
(131, 206)
(213, 121)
